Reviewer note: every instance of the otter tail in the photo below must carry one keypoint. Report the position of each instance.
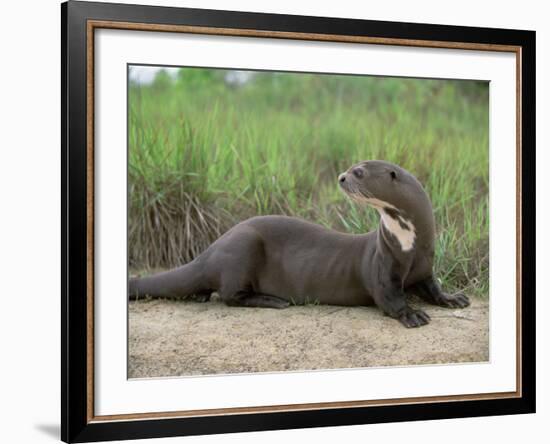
(177, 283)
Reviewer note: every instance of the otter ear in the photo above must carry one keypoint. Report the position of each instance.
(393, 175)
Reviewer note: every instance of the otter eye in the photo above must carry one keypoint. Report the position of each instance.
(393, 175)
(358, 172)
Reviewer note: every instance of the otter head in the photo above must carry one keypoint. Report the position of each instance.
(398, 196)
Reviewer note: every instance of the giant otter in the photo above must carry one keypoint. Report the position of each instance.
(272, 261)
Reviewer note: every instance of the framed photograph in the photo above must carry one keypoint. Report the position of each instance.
(275, 221)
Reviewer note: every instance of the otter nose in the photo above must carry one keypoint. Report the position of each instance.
(342, 178)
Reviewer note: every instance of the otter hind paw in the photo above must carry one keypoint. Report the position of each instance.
(200, 297)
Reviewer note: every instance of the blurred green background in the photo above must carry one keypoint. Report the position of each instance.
(210, 147)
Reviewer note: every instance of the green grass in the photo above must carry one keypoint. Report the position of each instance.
(204, 155)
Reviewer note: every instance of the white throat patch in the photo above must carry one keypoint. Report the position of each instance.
(401, 228)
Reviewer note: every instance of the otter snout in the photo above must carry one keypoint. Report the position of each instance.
(352, 182)
(344, 182)
(357, 173)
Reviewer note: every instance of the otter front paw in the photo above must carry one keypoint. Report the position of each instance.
(457, 300)
(411, 318)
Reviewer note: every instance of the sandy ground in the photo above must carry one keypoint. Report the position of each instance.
(174, 338)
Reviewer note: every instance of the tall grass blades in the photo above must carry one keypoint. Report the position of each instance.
(209, 148)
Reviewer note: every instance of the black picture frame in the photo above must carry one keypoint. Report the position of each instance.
(76, 423)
